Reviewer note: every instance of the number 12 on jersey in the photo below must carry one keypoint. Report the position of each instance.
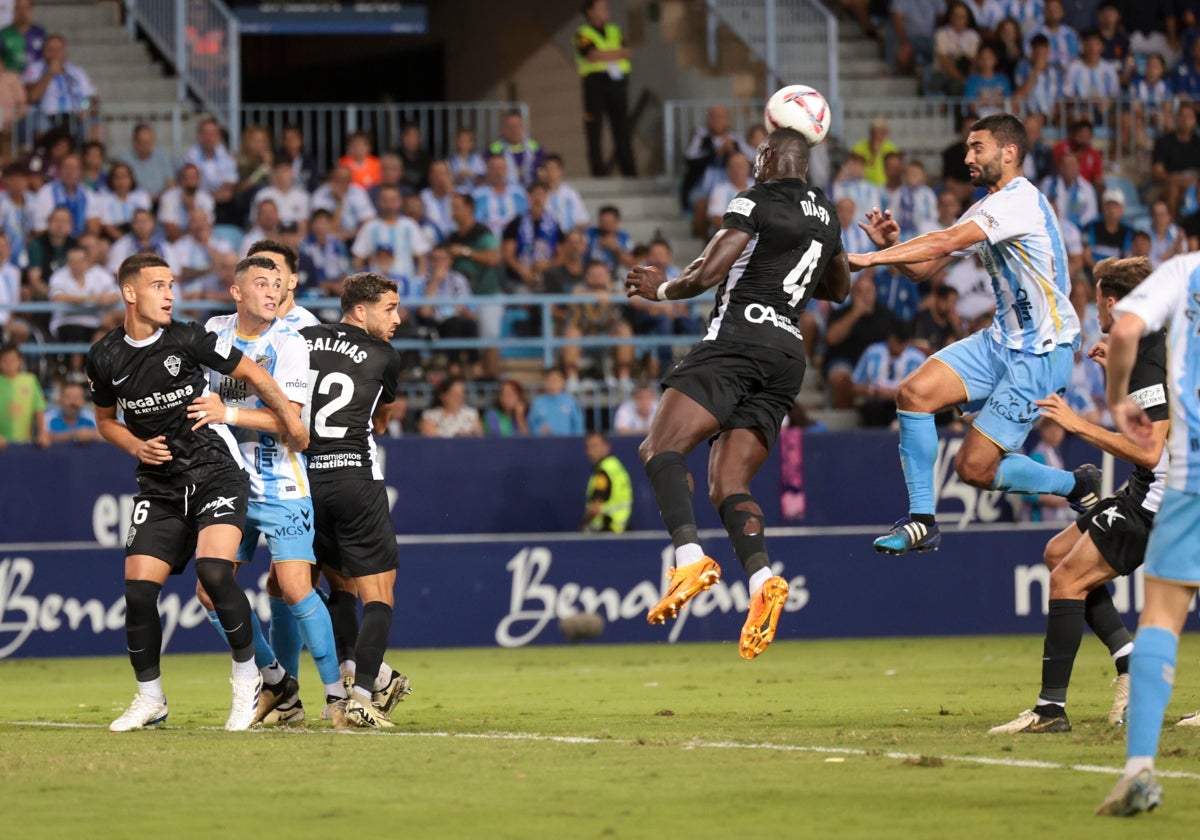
(797, 280)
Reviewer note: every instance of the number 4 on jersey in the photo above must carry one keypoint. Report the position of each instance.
(797, 280)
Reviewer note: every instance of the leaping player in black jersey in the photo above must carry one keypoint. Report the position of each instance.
(779, 246)
(354, 372)
(193, 490)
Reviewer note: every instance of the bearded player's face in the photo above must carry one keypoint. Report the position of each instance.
(382, 317)
(985, 158)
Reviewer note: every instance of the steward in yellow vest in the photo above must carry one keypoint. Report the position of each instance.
(609, 490)
(603, 62)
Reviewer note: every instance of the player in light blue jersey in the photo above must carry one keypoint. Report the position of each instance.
(1025, 356)
(280, 505)
(1169, 297)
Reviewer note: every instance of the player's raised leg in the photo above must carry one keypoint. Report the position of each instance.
(736, 456)
(144, 579)
(679, 425)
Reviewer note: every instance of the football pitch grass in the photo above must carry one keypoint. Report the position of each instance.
(880, 738)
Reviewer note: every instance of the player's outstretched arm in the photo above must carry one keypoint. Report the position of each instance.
(1114, 443)
(923, 256)
(704, 272)
(153, 451)
(249, 371)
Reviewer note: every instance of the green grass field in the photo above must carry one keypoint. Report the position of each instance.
(814, 739)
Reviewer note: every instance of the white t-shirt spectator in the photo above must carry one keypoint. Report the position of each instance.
(293, 206)
(954, 44)
(403, 236)
(10, 290)
(250, 237)
(186, 252)
(215, 171)
(171, 208)
(96, 281)
(119, 211)
(974, 284)
(462, 423)
(69, 92)
(54, 195)
(357, 208)
(126, 247)
(627, 421)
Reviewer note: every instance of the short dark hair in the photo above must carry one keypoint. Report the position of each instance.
(132, 266)
(467, 199)
(1039, 40)
(320, 213)
(537, 185)
(5, 349)
(609, 208)
(365, 287)
(272, 246)
(556, 157)
(945, 290)
(1118, 276)
(254, 261)
(900, 329)
(1008, 131)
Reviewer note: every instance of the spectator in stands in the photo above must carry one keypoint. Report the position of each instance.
(1142, 244)
(949, 209)
(737, 179)
(914, 204)
(177, 203)
(1185, 80)
(62, 91)
(562, 200)
(986, 15)
(530, 242)
(392, 174)
(198, 260)
(1079, 142)
(499, 201)
(48, 252)
(909, 42)
(709, 149)
(438, 197)
(449, 320)
(1072, 238)
(68, 191)
(567, 272)
(607, 242)
(383, 261)
(1073, 198)
(16, 211)
(1094, 80)
(554, 411)
(602, 58)
(398, 232)
(13, 106)
(1009, 44)
(1151, 24)
(151, 167)
(12, 329)
(878, 373)
(291, 200)
(466, 164)
(93, 157)
(508, 415)
(1039, 81)
(266, 226)
(633, 416)
(987, 88)
(854, 236)
(976, 298)
(598, 318)
(450, 416)
(22, 403)
(1108, 236)
(1039, 157)
(414, 209)
(955, 46)
(324, 260)
(1176, 158)
(873, 149)
(893, 177)
(851, 184)
(120, 200)
(1167, 239)
(522, 154)
(218, 170)
(254, 159)
(1061, 38)
(71, 421)
(648, 318)
(476, 252)
(938, 324)
(97, 248)
(143, 238)
(23, 41)
(364, 166)
(414, 158)
(1113, 38)
(346, 201)
(84, 286)
(400, 424)
(850, 331)
(1153, 111)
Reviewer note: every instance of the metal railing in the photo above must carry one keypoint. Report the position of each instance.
(796, 40)
(326, 126)
(202, 40)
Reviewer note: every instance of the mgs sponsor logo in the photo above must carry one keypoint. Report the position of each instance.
(298, 525)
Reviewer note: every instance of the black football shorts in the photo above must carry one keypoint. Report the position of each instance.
(354, 533)
(1120, 528)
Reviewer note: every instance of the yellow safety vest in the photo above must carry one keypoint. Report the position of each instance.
(609, 40)
(611, 472)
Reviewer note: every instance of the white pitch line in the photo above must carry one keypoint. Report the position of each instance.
(687, 745)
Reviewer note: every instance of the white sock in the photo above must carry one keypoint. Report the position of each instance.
(245, 670)
(346, 669)
(1137, 764)
(385, 677)
(152, 689)
(336, 690)
(759, 578)
(273, 674)
(1125, 650)
(1042, 701)
(689, 553)
(362, 694)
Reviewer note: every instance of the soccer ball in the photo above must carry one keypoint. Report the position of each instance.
(800, 108)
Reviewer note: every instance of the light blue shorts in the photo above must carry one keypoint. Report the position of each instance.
(287, 525)
(1173, 553)
(1006, 382)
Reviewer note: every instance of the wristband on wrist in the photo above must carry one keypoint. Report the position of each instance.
(662, 290)
(231, 415)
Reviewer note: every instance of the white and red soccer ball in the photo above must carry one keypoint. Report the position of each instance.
(801, 108)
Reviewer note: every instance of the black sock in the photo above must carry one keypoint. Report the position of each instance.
(1102, 616)
(668, 475)
(229, 601)
(1050, 710)
(743, 519)
(372, 642)
(923, 518)
(343, 612)
(143, 628)
(1064, 632)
